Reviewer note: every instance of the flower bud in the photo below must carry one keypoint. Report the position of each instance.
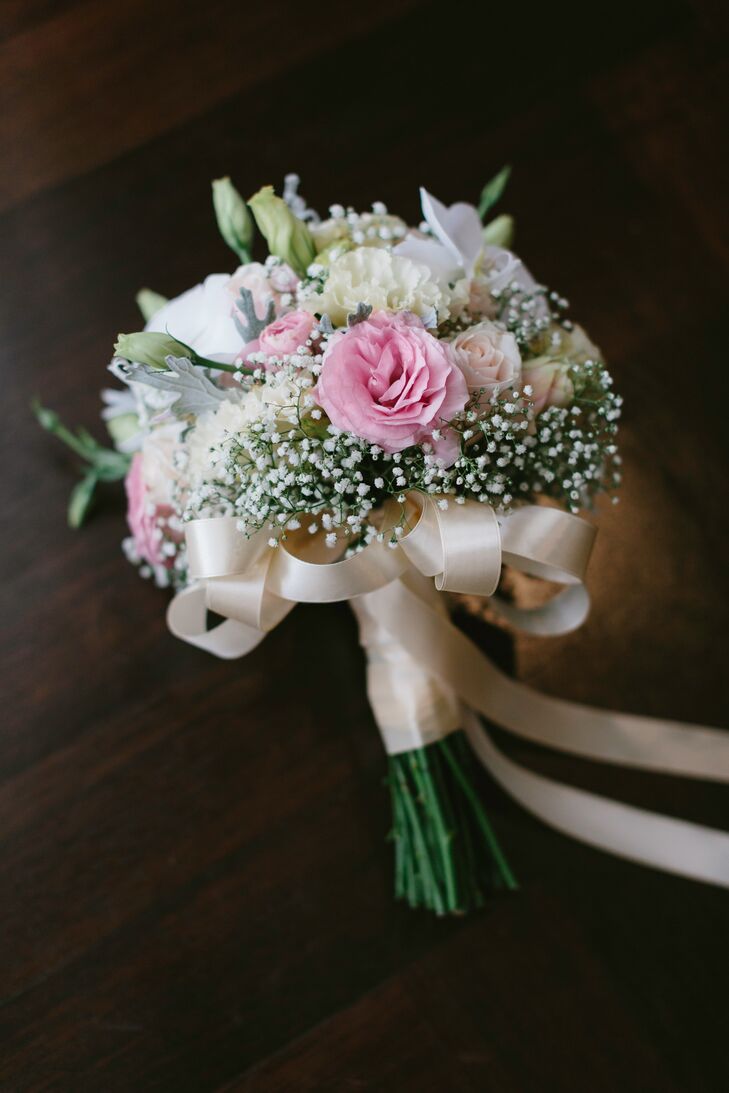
(149, 303)
(288, 237)
(123, 427)
(499, 232)
(234, 220)
(333, 250)
(148, 347)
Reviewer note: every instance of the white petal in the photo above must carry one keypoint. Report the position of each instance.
(457, 226)
(435, 256)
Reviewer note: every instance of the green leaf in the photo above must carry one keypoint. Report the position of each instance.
(493, 190)
(47, 419)
(234, 220)
(149, 302)
(110, 465)
(82, 444)
(104, 463)
(80, 500)
(499, 232)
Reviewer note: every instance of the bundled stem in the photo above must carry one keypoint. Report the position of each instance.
(447, 857)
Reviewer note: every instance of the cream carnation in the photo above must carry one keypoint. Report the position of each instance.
(385, 281)
(159, 467)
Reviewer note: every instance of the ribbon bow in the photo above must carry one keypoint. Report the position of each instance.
(425, 678)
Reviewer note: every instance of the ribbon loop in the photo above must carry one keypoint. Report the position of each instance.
(459, 545)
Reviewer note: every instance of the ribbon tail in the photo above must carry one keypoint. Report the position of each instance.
(439, 648)
(411, 706)
(676, 846)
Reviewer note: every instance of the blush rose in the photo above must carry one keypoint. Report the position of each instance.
(488, 357)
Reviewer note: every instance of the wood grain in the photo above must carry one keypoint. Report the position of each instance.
(196, 884)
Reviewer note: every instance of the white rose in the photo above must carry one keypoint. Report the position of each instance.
(488, 357)
(381, 279)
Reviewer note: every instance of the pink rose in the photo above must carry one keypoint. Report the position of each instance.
(488, 357)
(391, 382)
(550, 382)
(284, 336)
(141, 515)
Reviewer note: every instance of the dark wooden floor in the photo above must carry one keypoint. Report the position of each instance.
(196, 891)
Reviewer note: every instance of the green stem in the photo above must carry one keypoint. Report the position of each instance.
(430, 887)
(419, 761)
(506, 874)
(464, 862)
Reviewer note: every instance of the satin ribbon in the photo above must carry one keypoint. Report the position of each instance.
(426, 679)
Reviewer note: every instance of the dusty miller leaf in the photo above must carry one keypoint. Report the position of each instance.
(196, 393)
(362, 313)
(252, 327)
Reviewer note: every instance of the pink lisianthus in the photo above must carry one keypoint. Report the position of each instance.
(391, 382)
(143, 515)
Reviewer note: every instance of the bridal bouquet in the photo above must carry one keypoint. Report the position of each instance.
(373, 406)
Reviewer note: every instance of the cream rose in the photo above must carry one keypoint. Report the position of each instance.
(488, 357)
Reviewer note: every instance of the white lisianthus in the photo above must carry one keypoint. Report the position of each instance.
(202, 318)
(381, 279)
